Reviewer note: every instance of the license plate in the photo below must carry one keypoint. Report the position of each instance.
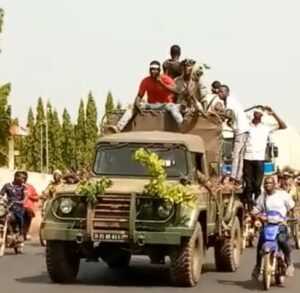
(108, 237)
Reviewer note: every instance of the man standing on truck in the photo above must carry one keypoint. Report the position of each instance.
(255, 152)
(172, 67)
(159, 89)
(240, 125)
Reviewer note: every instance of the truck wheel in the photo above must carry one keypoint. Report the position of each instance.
(187, 260)
(62, 261)
(117, 259)
(228, 251)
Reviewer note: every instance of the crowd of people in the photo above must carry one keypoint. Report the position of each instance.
(181, 88)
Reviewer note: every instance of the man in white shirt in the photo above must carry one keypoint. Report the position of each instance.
(240, 126)
(255, 152)
(279, 201)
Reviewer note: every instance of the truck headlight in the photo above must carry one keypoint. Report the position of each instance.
(66, 205)
(164, 210)
(2, 211)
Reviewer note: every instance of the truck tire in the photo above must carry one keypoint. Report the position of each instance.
(62, 261)
(228, 251)
(187, 260)
(117, 259)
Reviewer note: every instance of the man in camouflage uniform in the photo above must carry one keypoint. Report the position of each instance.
(57, 181)
(190, 86)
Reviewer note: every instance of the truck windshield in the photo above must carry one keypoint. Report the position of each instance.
(118, 160)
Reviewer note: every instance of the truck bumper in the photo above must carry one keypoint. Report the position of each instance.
(171, 236)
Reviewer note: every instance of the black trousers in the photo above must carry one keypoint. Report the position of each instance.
(28, 215)
(253, 173)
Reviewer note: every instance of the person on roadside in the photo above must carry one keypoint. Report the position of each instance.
(279, 201)
(172, 67)
(30, 201)
(240, 125)
(15, 193)
(295, 191)
(286, 180)
(255, 152)
(160, 92)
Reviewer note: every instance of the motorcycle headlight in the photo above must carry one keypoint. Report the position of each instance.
(2, 211)
(66, 205)
(164, 210)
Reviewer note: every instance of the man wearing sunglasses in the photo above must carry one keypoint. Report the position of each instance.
(160, 94)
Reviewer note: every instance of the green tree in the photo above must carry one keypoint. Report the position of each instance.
(119, 106)
(39, 137)
(5, 119)
(91, 128)
(109, 104)
(28, 152)
(55, 140)
(68, 141)
(80, 138)
(1, 19)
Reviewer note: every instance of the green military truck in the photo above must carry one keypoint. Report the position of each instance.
(124, 222)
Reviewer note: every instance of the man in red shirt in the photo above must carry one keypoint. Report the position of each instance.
(160, 94)
(30, 201)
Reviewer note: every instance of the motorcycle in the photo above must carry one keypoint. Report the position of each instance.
(9, 236)
(273, 267)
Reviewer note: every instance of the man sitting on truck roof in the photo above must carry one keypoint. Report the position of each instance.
(159, 89)
(189, 86)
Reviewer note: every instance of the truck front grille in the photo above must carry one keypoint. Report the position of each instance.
(110, 218)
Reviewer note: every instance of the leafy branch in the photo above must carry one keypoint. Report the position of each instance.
(158, 186)
(91, 190)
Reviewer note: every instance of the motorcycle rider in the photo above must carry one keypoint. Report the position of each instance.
(14, 192)
(279, 201)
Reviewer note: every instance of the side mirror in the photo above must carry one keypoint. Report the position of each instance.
(275, 151)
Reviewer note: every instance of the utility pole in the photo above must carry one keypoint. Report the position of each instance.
(41, 155)
(47, 145)
(11, 153)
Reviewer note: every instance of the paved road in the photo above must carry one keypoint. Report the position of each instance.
(27, 274)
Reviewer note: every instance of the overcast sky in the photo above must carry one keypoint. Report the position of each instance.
(62, 49)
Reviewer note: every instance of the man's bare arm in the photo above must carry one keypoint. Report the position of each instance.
(281, 123)
(172, 88)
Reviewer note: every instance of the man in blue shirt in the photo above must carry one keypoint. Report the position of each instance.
(14, 193)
